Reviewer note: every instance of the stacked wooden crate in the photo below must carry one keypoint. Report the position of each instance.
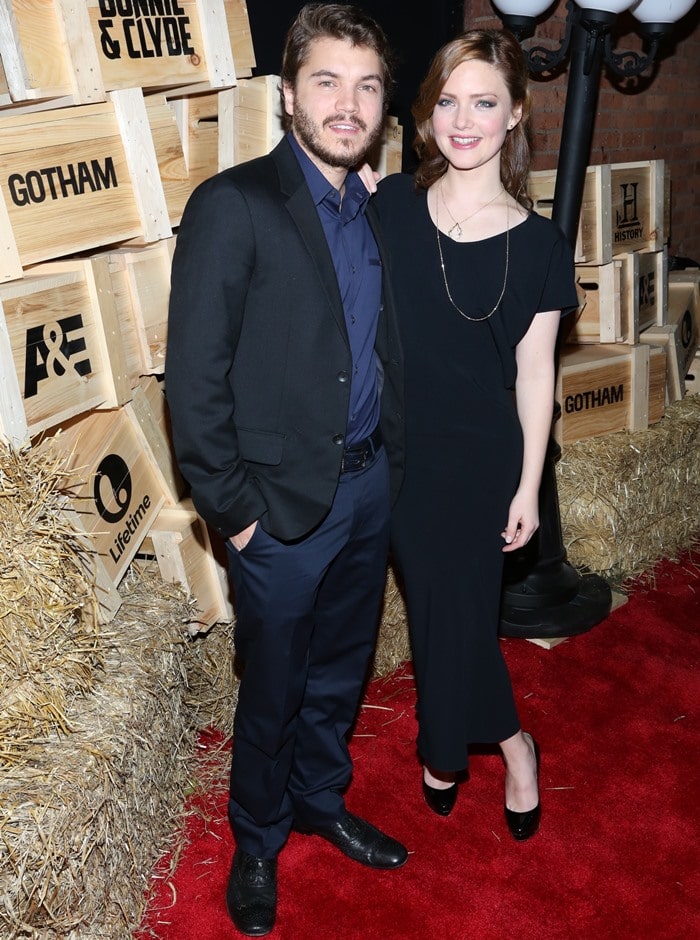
(111, 112)
(629, 347)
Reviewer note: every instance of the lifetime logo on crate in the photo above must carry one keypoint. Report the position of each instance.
(55, 351)
(113, 484)
(76, 178)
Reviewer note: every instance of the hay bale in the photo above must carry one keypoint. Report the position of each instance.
(97, 726)
(393, 646)
(89, 808)
(629, 499)
(48, 650)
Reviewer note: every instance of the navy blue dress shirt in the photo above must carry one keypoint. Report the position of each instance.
(359, 271)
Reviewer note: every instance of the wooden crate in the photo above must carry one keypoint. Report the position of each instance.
(60, 349)
(140, 280)
(608, 388)
(45, 54)
(205, 121)
(108, 600)
(114, 484)
(74, 179)
(599, 318)
(680, 335)
(388, 157)
(692, 378)
(257, 117)
(163, 44)
(643, 289)
(185, 554)
(640, 210)
(149, 412)
(594, 239)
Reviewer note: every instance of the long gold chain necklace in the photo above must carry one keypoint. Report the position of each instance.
(444, 275)
(456, 230)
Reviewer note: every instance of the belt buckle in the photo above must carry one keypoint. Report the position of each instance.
(355, 461)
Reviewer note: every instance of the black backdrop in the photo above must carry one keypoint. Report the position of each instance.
(415, 37)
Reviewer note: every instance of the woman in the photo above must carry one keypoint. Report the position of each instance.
(480, 284)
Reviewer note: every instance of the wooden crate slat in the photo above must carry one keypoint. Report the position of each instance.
(147, 409)
(241, 37)
(184, 552)
(257, 117)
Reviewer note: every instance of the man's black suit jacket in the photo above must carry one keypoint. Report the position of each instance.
(258, 362)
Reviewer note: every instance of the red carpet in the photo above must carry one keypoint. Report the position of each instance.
(616, 714)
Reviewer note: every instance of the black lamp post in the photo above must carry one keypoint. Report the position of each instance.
(544, 596)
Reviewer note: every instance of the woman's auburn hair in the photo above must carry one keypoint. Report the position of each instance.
(500, 49)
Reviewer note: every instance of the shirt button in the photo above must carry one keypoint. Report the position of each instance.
(338, 439)
(342, 377)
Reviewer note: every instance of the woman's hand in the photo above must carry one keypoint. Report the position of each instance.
(523, 521)
(369, 177)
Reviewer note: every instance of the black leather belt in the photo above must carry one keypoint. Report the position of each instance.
(358, 456)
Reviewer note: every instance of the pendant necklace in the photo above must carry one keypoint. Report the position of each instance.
(442, 262)
(456, 230)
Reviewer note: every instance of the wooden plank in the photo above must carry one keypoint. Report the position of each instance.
(241, 37)
(184, 553)
(132, 119)
(170, 156)
(148, 415)
(79, 45)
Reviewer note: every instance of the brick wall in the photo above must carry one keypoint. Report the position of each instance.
(660, 118)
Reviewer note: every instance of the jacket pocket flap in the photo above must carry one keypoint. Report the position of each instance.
(261, 446)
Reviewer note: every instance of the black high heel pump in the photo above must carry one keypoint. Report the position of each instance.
(524, 825)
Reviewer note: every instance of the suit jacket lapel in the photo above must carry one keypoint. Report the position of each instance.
(301, 207)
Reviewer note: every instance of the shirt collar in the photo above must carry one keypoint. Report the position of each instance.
(356, 195)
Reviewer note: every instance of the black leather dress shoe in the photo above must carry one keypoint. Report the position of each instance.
(361, 842)
(524, 825)
(251, 895)
(441, 802)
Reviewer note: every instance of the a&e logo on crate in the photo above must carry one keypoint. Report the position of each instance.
(55, 349)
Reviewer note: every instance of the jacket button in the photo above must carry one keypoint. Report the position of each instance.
(338, 439)
(343, 377)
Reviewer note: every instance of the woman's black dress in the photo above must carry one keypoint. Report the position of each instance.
(463, 455)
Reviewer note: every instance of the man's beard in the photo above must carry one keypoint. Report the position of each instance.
(308, 133)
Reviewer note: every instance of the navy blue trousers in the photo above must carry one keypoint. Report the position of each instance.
(306, 623)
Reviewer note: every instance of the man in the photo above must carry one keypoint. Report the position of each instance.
(283, 379)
